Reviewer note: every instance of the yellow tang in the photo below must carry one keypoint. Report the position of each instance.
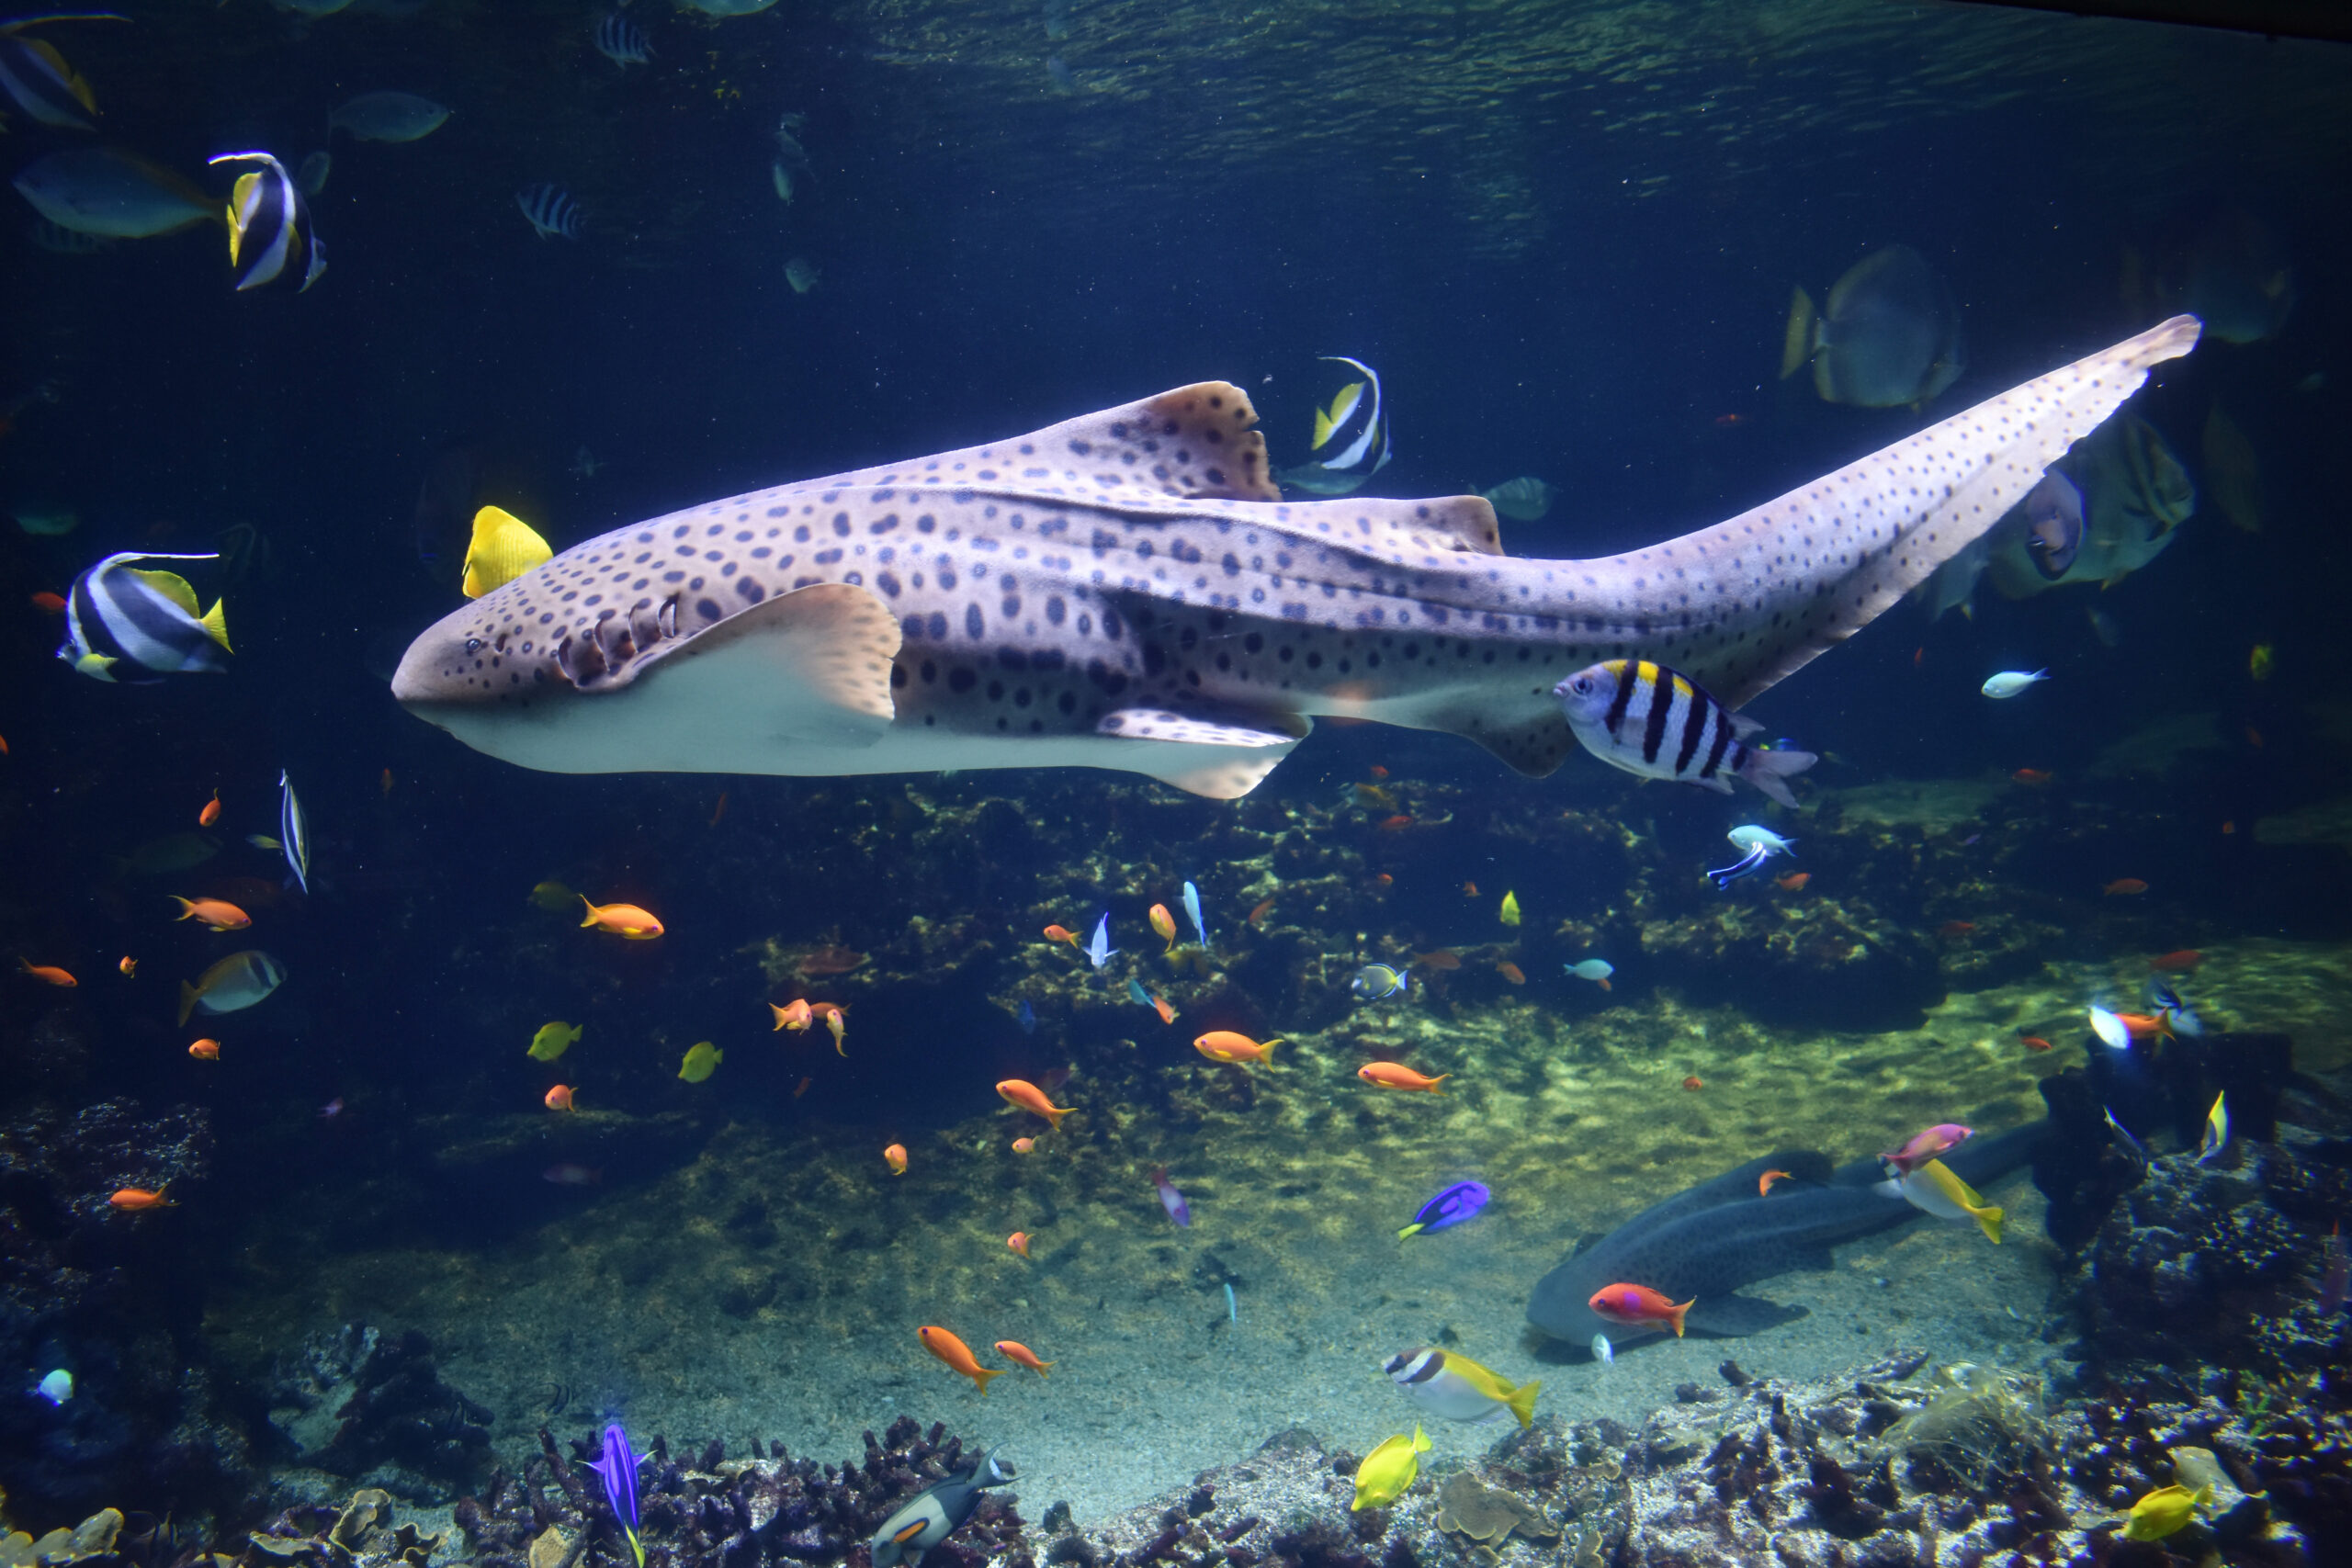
(553, 1040)
(701, 1062)
(2164, 1511)
(1510, 910)
(552, 895)
(503, 548)
(1389, 1469)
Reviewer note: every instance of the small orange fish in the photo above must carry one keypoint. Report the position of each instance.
(1728, 420)
(136, 1198)
(720, 811)
(1382, 879)
(1764, 1182)
(129, 966)
(1792, 883)
(2146, 1025)
(1694, 1082)
(895, 1156)
(2253, 736)
(834, 1023)
(801, 1088)
(2033, 777)
(1396, 824)
(1061, 933)
(1638, 1306)
(794, 1015)
(2125, 887)
(212, 812)
(1511, 972)
(1022, 1146)
(2176, 963)
(1919, 657)
(956, 1354)
(49, 604)
(1022, 1095)
(48, 974)
(1167, 1013)
(1469, 890)
(2229, 827)
(2032, 1042)
(559, 1097)
(1163, 925)
(624, 920)
(218, 913)
(388, 783)
(1443, 958)
(1019, 1242)
(3, 745)
(1396, 1076)
(1258, 915)
(1224, 1046)
(1953, 930)
(1378, 771)
(1013, 1350)
(206, 1050)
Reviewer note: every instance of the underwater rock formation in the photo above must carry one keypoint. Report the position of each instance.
(360, 1534)
(361, 1402)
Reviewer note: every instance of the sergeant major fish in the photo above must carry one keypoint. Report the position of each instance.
(1127, 589)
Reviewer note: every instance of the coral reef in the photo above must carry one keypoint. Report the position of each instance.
(361, 1402)
(360, 1534)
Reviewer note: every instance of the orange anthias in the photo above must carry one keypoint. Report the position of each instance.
(895, 1156)
(218, 913)
(1792, 883)
(1638, 1306)
(834, 1022)
(212, 812)
(794, 1015)
(136, 1198)
(1013, 1351)
(1163, 925)
(1024, 1146)
(129, 968)
(1025, 1096)
(1019, 1242)
(2125, 887)
(956, 1354)
(2146, 1025)
(1764, 1182)
(1224, 1046)
(48, 974)
(206, 1050)
(559, 1097)
(1062, 934)
(1166, 1011)
(622, 920)
(1396, 1075)
(2176, 963)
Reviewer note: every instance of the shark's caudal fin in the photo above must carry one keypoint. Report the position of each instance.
(1751, 601)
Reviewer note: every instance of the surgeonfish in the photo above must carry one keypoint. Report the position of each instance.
(1453, 1387)
(1522, 499)
(957, 1355)
(1378, 982)
(236, 983)
(270, 223)
(1389, 1470)
(2164, 1511)
(702, 1060)
(36, 76)
(1099, 951)
(503, 548)
(1351, 441)
(1932, 1188)
(1891, 335)
(622, 41)
(2010, 683)
(1655, 724)
(1509, 913)
(1193, 912)
(551, 210)
(113, 194)
(937, 1512)
(293, 831)
(134, 627)
(801, 273)
(2216, 1136)
(389, 117)
(553, 1040)
(1456, 1204)
(615, 1466)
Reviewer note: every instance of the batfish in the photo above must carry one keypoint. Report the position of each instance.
(1128, 590)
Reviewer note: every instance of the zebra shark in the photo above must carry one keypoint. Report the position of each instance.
(1128, 590)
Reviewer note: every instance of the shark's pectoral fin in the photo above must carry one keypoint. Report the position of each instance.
(811, 666)
(1533, 743)
(1223, 759)
(1736, 1315)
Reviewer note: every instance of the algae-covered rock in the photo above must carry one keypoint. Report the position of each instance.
(1468, 1507)
(1829, 963)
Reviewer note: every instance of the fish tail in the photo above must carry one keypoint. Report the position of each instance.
(1272, 1044)
(1437, 1081)
(1769, 769)
(1410, 1231)
(1522, 1403)
(216, 626)
(980, 1376)
(1797, 343)
(1991, 1220)
(187, 999)
(1041, 1369)
(1676, 1314)
(591, 910)
(187, 908)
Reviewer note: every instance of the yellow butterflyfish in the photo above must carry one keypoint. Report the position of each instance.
(503, 548)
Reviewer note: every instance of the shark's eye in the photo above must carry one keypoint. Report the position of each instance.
(473, 645)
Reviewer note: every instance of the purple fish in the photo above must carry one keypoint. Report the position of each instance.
(1169, 1199)
(617, 1467)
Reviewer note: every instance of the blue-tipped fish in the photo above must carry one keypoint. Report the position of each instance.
(551, 210)
(617, 1467)
(293, 831)
(1137, 995)
(1451, 1207)
(622, 41)
(1351, 437)
(1099, 950)
(1026, 1018)
(2175, 1011)
(270, 223)
(124, 625)
(1192, 910)
(37, 78)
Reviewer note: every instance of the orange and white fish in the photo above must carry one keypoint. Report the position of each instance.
(212, 812)
(1224, 1046)
(895, 1156)
(956, 1354)
(47, 974)
(206, 1050)
(794, 1015)
(559, 1097)
(1013, 1351)
(1022, 1095)
(1019, 1242)
(1638, 1306)
(1396, 1076)
(216, 913)
(622, 920)
(137, 1197)
(129, 968)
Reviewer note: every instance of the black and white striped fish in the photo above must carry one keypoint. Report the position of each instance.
(622, 41)
(1351, 437)
(270, 223)
(550, 210)
(1649, 720)
(136, 626)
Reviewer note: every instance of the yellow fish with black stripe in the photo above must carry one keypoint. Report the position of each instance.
(503, 548)
(1655, 724)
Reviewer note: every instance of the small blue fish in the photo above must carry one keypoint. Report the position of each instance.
(1192, 909)
(1026, 1018)
(1378, 982)
(1751, 837)
(2183, 1019)
(1451, 1207)
(1596, 970)
(1099, 950)
(550, 210)
(617, 1468)
(1137, 995)
(1603, 1351)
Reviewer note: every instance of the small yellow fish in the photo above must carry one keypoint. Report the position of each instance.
(2164, 1511)
(701, 1062)
(1510, 910)
(503, 548)
(552, 896)
(553, 1040)
(1389, 1469)
(2261, 662)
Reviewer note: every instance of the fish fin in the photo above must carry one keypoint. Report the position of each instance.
(170, 585)
(590, 908)
(812, 665)
(1769, 770)
(980, 1376)
(1851, 543)
(1202, 756)
(1461, 524)
(1990, 1219)
(1797, 342)
(1736, 1316)
(1534, 745)
(188, 995)
(1522, 1403)
(1410, 1231)
(216, 624)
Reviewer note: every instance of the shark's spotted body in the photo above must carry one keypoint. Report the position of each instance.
(1128, 590)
